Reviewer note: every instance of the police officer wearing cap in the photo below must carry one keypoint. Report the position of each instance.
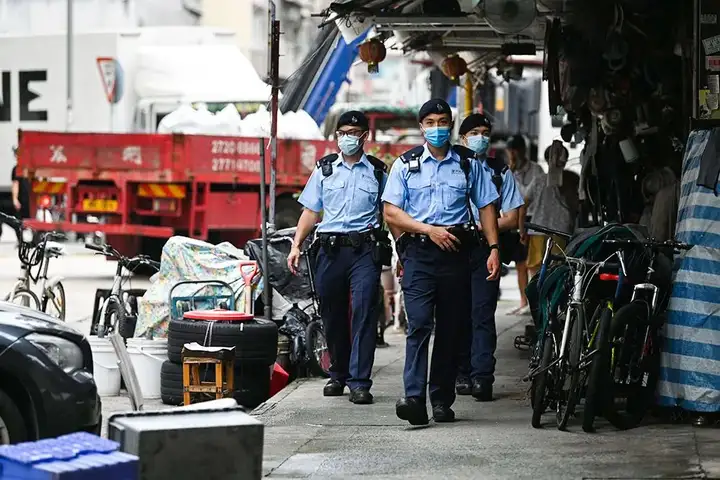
(346, 187)
(427, 196)
(477, 346)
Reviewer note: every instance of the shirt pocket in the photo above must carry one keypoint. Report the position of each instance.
(455, 192)
(365, 197)
(419, 194)
(333, 194)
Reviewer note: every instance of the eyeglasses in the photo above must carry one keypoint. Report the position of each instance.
(352, 133)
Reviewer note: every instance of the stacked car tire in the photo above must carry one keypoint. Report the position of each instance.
(255, 343)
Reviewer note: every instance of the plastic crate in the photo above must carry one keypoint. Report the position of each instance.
(70, 457)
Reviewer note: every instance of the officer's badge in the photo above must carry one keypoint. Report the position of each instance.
(439, 108)
(354, 120)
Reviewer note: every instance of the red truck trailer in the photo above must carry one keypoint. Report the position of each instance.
(148, 187)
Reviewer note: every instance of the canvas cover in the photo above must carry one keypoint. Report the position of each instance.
(189, 259)
(690, 359)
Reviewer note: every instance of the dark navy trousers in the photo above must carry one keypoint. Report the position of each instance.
(340, 274)
(479, 340)
(436, 289)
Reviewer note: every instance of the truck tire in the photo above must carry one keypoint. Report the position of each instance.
(255, 341)
(252, 383)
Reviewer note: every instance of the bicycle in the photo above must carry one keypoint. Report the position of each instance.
(558, 380)
(119, 304)
(628, 358)
(52, 300)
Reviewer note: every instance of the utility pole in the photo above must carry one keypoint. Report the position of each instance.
(274, 74)
(69, 59)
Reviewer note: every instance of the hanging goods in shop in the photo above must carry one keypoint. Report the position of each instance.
(373, 53)
(454, 67)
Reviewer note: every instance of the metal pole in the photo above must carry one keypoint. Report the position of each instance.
(267, 293)
(69, 59)
(275, 79)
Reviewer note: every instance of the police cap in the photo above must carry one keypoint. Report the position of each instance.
(474, 121)
(353, 118)
(516, 142)
(434, 106)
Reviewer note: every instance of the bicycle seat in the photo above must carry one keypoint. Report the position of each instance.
(54, 249)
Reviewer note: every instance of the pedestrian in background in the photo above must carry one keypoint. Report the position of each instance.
(20, 190)
(346, 187)
(477, 345)
(526, 173)
(427, 198)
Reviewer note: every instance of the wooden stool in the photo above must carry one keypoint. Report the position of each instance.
(194, 355)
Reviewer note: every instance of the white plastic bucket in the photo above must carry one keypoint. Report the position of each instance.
(147, 357)
(105, 367)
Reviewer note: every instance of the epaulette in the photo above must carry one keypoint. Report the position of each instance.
(325, 164)
(413, 152)
(376, 163)
(412, 158)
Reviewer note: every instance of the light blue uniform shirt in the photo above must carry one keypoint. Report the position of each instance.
(435, 195)
(510, 197)
(348, 197)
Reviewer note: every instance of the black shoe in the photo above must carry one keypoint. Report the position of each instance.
(463, 386)
(333, 388)
(482, 391)
(412, 410)
(443, 414)
(361, 396)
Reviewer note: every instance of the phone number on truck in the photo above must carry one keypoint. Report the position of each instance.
(235, 165)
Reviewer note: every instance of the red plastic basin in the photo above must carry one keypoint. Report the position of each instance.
(218, 315)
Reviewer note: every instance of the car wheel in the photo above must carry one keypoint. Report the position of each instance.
(254, 341)
(12, 424)
(252, 383)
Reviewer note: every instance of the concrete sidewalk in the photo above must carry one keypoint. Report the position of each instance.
(309, 436)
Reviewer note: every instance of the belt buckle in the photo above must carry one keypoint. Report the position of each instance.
(332, 240)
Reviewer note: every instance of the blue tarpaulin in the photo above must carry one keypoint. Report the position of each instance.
(690, 365)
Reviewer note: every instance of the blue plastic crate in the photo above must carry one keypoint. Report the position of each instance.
(78, 456)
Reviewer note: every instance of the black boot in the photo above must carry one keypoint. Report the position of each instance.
(482, 391)
(333, 388)
(361, 396)
(463, 386)
(412, 410)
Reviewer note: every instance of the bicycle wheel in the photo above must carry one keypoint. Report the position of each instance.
(599, 375)
(114, 315)
(318, 355)
(25, 298)
(569, 395)
(53, 301)
(635, 366)
(542, 382)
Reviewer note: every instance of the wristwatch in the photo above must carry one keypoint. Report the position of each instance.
(495, 246)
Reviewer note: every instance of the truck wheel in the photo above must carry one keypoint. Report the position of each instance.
(255, 341)
(287, 212)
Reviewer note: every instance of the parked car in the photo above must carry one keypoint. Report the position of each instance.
(46, 378)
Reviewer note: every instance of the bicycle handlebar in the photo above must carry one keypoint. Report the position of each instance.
(547, 231)
(124, 261)
(13, 222)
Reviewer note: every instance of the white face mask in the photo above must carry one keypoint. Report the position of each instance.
(348, 144)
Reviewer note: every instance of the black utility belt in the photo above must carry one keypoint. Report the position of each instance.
(466, 233)
(351, 239)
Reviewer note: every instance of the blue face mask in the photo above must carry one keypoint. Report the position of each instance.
(478, 144)
(437, 136)
(348, 144)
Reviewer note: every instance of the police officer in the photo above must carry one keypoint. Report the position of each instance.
(346, 187)
(477, 347)
(427, 197)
